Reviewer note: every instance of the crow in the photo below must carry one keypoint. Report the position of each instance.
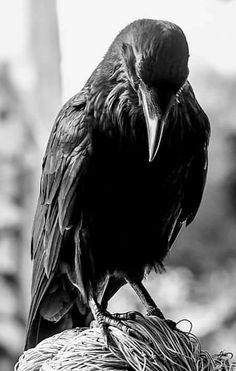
(124, 169)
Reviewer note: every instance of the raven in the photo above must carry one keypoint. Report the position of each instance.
(124, 169)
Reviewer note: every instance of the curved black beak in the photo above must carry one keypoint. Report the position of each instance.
(155, 120)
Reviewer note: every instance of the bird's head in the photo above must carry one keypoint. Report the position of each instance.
(155, 56)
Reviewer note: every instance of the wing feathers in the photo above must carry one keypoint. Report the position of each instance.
(59, 188)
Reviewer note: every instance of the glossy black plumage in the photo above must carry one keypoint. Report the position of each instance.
(105, 213)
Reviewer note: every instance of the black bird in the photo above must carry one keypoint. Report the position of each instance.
(124, 168)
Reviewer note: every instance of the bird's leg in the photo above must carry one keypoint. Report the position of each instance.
(150, 305)
(105, 319)
(146, 299)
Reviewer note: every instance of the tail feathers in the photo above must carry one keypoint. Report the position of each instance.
(42, 328)
(55, 306)
(60, 307)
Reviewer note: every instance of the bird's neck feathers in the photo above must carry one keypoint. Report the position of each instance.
(113, 99)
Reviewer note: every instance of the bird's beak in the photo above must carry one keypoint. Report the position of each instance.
(155, 121)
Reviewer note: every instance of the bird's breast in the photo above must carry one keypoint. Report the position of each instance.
(130, 204)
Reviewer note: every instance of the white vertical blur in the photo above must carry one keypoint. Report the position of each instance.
(13, 22)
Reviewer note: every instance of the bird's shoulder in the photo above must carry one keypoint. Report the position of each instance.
(68, 141)
(69, 128)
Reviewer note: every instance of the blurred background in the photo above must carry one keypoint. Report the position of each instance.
(48, 49)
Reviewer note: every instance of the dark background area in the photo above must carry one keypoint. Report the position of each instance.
(200, 277)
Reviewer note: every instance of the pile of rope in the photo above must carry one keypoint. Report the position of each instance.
(155, 346)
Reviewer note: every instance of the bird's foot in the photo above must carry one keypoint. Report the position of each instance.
(105, 319)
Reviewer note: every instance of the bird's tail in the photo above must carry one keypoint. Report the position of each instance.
(57, 307)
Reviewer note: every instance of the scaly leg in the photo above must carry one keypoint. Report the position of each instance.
(146, 299)
(150, 305)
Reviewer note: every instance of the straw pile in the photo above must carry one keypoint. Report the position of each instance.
(155, 346)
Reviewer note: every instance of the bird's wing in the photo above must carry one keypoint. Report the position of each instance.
(198, 165)
(195, 186)
(62, 170)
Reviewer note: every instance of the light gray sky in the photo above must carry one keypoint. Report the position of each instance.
(88, 27)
